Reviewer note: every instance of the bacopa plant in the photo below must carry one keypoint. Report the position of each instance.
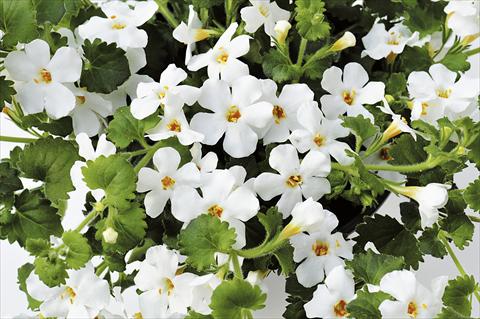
(186, 150)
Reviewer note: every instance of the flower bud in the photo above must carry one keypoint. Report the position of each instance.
(470, 38)
(110, 235)
(394, 129)
(389, 98)
(346, 41)
(281, 31)
(99, 207)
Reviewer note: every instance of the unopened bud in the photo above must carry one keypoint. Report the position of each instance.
(110, 235)
(99, 207)
(281, 31)
(390, 99)
(346, 41)
(470, 38)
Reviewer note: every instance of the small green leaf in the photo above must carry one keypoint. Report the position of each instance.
(51, 272)
(284, 256)
(115, 176)
(360, 126)
(389, 237)
(310, 19)
(430, 244)
(236, 299)
(278, 67)
(195, 315)
(371, 267)
(472, 195)
(37, 246)
(272, 221)
(17, 21)
(78, 251)
(105, 67)
(202, 238)
(460, 229)
(406, 150)
(396, 84)
(50, 161)
(10, 181)
(6, 91)
(22, 275)
(410, 216)
(124, 128)
(457, 294)
(456, 62)
(49, 10)
(365, 305)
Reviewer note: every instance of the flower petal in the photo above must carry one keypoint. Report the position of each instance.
(284, 159)
(310, 272)
(66, 65)
(269, 185)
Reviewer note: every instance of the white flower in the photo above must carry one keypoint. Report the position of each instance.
(398, 124)
(320, 134)
(82, 296)
(206, 164)
(220, 198)
(380, 43)
(330, 299)
(281, 31)
(164, 291)
(77, 200)
(413, 300)
(90, 111)
(42, 79)
(236, 113)
(203, 287)
(295, 179)
(190, 33)
(430, 199)
(122, 305)
(346, 41)
(319, 252)
(161, 182)
(309, 216)
(121, 24)
(166, 93)
(263, 12)
(350, 92)
(174, 123)
(463, 17)
(222, 61)
(285, 106)
(437, 94)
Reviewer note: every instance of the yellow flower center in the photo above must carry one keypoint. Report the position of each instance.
(444, 94)
(45, 77)
(68, 293)
(222, 58)
(263, 9)
(394, 38)
(80, 99)
(294, 181)
(319, 140)
(174, 126)
(137, 315)
(118, 26)
(349, 96)
(340, 308)
(278, 113)
(215, 211)
(167, 182)
(412, 309)
(233, 114)
(161, 94)
(320, 248)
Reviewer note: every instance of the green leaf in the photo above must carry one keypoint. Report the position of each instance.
(6, 91)
(415, 59)
(124, 128)
(460, 229)
(365, 305)
(205, 3)
(49, 10)
(106, 67)
(430, 244)
(272, 221)
(371, 267)
(406, 150)
(115, 176)
(236, 299)
(360, 126)
(78, 251)
(34, 217)
(202, 238)
(284, 256)
(128, 223)
(50, 161)
(456, 62)
(51, 272)
(17, 21)
(37, 246)
(410, 216)
(426, 20)
(449, 313)
(10, 181)
(457, 294)
(474, 151)
(195, 315)
(315, 68)
(62, 126)
(138, 253)
(390, 237)
(22, 275)
(278, 67)
(472, 195)
(311, 22)
(396, 84)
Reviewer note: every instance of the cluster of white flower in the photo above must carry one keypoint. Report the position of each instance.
(242, 110)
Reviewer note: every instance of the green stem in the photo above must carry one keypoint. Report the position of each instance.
(138, 152)
(236, 266)
(472, 52)
(347, 169)
(148, 156)
(166, 13)
(87, 220)
(229, 11)
(428, 164)
(15, 139)
(262, 250)
(457, 263)
(301, 51)
(474, 218)
(100, 268)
